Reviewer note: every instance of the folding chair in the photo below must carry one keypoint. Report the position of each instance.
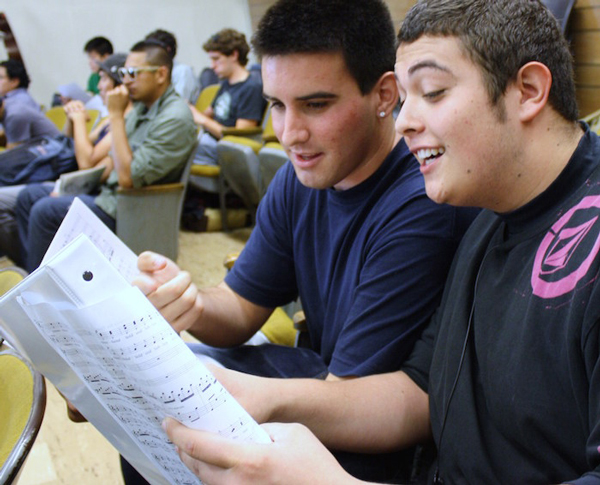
(23, 398)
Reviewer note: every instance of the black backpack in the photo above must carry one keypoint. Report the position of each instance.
(37, 160)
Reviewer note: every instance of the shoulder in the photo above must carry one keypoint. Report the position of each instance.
(22, 112)
(173, 106)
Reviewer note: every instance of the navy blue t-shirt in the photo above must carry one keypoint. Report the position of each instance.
(368, 263)
(243, 100)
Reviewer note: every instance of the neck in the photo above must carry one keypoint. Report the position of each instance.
(380, 148)
(239, 74)
(545, 155)
(157, 95)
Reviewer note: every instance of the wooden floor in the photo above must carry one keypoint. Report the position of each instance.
(69, 453)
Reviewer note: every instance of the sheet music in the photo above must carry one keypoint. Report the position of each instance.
(81, 220)
(131, 360)
(79, 182)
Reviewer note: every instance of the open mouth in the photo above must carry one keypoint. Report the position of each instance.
(305, 158)
(428, 155)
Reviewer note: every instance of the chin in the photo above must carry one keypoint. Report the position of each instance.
(437, 195)
(313, 183)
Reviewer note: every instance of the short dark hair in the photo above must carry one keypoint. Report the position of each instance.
(361, 30)
(167, 38)
(101, 45)
(156, 53)
(501, 37)
(16, 70)
(227, 41)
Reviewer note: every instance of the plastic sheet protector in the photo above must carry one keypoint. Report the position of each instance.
(108, 350)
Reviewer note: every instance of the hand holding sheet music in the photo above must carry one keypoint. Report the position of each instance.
(110, 352)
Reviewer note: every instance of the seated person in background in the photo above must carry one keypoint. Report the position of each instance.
(506, 378)
(347, 225)
(183, 79)
(90, 151)
(239, 102)
(150, 146)
(14, 82)
(97, 49)
(20, 115)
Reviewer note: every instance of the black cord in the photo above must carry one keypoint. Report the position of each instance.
(436, 476)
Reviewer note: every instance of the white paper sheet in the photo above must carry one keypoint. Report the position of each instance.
(108, 350)
(81, 220)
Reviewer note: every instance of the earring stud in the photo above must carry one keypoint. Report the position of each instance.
(382, 114)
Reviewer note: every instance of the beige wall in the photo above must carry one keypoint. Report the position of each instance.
(397, 7)
(585, 29)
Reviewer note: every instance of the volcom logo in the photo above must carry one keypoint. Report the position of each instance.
(568, 250)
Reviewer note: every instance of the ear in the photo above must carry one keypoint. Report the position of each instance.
(162, 74)
(386, 90)
(14, 82)
(533, 83)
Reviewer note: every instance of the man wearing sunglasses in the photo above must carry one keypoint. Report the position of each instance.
(149, 146)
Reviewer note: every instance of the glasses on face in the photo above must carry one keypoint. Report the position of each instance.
(132, 72)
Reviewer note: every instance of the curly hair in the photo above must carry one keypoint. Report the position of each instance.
(227, 41)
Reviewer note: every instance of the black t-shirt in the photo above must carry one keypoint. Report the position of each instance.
(243, 100)
(526, 406)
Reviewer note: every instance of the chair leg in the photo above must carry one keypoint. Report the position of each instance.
(222, 204)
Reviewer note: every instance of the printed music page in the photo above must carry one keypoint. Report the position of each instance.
(81, 220)
(111, 353)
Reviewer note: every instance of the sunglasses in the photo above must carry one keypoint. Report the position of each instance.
(132, 72)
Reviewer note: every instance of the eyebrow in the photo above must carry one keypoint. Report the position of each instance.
(428, 64)
(307, 97)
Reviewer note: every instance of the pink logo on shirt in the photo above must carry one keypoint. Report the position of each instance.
(559, 264)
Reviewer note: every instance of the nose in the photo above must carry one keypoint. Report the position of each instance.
(292, 128)
(408, 120)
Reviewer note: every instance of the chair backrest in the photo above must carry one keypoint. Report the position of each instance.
(149, 217)
(9, 277)
(206, 97)
(58, 116)
(238, 160)
(561, 9)
(268, 134)
(23, 398)
(271, 157)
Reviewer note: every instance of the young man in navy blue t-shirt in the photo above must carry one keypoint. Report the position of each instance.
(345, 225)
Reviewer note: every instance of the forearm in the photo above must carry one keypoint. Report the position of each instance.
(68, 128)
(82, 144)
(212, 126)
(227, 319)
(369, 414)
(121, 151)
(107, 163)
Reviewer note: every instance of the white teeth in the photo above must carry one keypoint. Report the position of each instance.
(426, 154)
